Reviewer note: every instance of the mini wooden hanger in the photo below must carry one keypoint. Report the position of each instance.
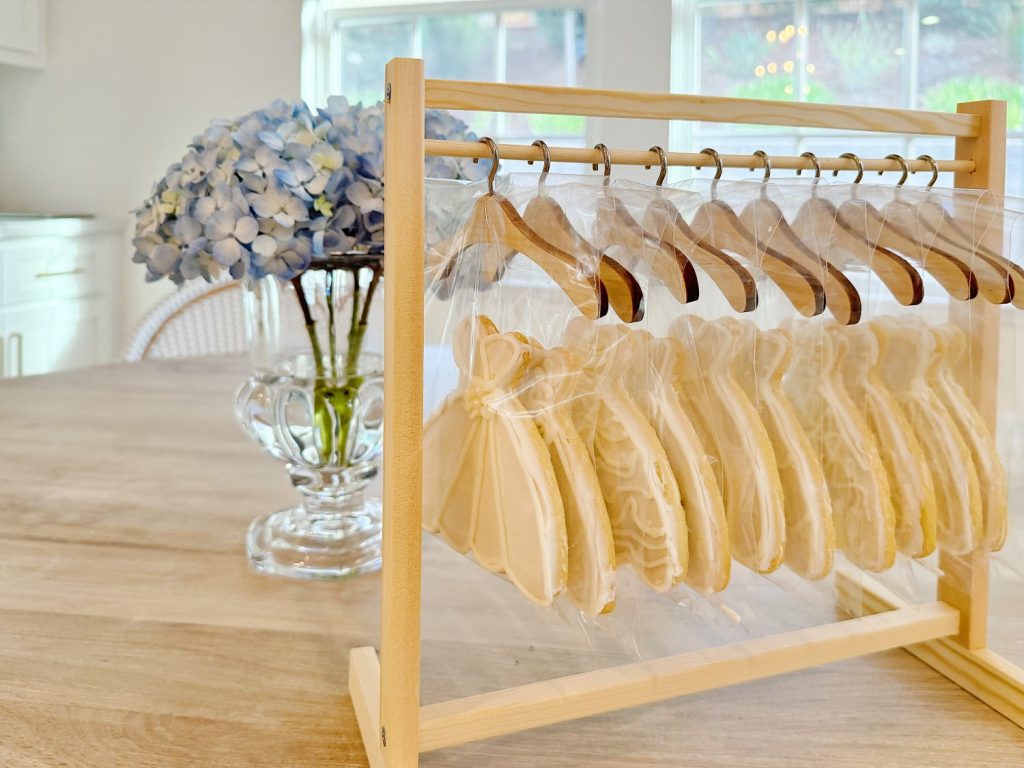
(801, 286)
(993, 278)
(496, 221)
(932, 214)
(868, 223)
(617, 226)
(818, 218)
(547, 218)
(667, 223)
(761, 216)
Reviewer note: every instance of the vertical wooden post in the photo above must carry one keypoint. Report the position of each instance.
(964, 583)
(403, 412)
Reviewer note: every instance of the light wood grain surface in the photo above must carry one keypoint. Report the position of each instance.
(132, 633)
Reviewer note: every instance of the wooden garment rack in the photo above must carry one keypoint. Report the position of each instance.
(948, 634)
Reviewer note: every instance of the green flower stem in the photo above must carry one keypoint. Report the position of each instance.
(307, 316)
(334, 402)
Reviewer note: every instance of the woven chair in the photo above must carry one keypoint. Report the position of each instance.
(200, 319)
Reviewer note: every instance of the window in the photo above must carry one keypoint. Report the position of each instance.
(543, 43)
(920, 54)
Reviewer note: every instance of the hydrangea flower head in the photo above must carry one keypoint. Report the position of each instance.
(266, 193)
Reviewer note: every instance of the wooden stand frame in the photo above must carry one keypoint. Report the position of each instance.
(948, 634)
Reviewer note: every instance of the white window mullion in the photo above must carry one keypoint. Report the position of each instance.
(417, 37)
(500, 66)
(569, 46)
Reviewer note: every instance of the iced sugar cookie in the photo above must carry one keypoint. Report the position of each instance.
(951, 346)
(810, 536)
(488, 483)
(908, 352)
(640, 492)
(862, 510)
(651, 384)
(910, 480)
(732, 432)
(546, 394)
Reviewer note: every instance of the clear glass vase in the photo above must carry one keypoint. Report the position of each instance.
(315, 402)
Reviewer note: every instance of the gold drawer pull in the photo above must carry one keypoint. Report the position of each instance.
(61, 273)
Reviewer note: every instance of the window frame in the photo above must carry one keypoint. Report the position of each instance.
(685, 76)
(320, 18)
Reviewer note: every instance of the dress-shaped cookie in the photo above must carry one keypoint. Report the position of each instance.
(908, 352)
(862, 510)
(810, 535)
(488, 483)
(951, 346)
(546, 393)
(640, 491)
(910, 480)
(652, 383)
(735, 438)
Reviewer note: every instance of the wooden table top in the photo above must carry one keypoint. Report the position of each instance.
(133, 634)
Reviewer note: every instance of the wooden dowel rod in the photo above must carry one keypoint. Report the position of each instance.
(606, 690)
(440, 148)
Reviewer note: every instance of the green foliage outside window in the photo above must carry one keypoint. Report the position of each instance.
(946, 95)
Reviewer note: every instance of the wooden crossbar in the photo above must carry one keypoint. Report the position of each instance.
(550, 100)
(591, 693)
(985, 675)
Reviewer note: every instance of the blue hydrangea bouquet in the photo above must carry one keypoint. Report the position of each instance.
(269, 192)
(278, 192)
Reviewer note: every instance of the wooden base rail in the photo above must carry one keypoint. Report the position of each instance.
(586, 156)
(985, 675)
(591, 693)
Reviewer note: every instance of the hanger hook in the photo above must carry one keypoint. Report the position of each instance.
(494, 162)
(664, 164)
(857, 161)
(935, 168)
(903, 167)
(814, 161)
(607, 161)
(767, 164)
(717, 158)
(547, 155)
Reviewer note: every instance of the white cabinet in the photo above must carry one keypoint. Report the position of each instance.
(23, 32)
(57, 295)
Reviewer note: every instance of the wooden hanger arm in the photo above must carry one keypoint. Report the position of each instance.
(954, 276)
(841, 297)
(666, 262)
(733, 279)
(936, 219)
(547, 218)
(993, 280)
(803, 289)
(817, 222)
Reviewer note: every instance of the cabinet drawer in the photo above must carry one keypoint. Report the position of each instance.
(54, 267)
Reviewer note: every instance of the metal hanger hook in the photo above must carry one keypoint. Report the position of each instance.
(547, 155)
(767, 164)
(664, 164)
(814, 161)
(716, 157)
(903, 167)
(494, 162)
(857, 161)
(935, 168)
(607, 162)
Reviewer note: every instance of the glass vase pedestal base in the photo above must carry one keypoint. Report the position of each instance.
(316, 544)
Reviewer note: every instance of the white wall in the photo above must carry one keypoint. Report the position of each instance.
(127, 83)
(629, 48)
